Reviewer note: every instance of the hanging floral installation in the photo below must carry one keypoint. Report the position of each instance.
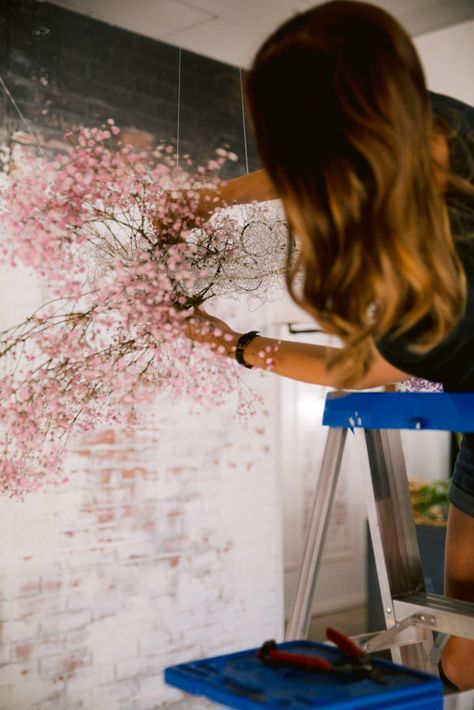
(114, 234)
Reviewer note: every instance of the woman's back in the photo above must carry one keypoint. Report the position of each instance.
(452, 361)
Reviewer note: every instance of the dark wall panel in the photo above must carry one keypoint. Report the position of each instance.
(64, 68)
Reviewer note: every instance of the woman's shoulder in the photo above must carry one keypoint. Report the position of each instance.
(456, 120)
(456, 114)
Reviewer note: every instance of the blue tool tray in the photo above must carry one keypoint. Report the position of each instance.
(240, 680)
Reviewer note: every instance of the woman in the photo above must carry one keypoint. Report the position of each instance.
(375, 175)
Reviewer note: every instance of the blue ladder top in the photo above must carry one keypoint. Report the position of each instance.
(449, 411)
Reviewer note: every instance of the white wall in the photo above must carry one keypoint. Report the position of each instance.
(448, 58)
(163, 547)
(303, 439)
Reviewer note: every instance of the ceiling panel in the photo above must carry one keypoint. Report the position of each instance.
(466, 6)
(231, 30)
(422, 16)
(152, 18)
(263, 16)
(214, 36)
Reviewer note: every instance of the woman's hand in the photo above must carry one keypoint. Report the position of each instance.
(254, 187)
(201, 327)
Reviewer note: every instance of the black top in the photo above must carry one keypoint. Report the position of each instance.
(451, 362)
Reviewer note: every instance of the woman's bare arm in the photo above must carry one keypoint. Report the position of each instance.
(307, 362)
(242, 190)
(304, 362)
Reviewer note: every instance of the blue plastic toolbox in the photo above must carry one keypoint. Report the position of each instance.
(240, 680)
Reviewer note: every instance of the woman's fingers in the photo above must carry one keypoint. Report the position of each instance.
(204, 328)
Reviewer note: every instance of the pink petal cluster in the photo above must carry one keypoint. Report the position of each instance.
(115, 235)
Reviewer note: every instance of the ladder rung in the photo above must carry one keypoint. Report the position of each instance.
(459, 701)
(450, 616)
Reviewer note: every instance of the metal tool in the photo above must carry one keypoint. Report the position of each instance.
(353, 665)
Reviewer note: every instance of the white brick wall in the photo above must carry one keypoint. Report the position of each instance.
(163, 547)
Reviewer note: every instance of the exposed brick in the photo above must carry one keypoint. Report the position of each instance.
(115, 645)
(40, 647)
(136, 666)
(20, 630)
(33, 607)
(70, 700)
(4, 652)
(91, 676)
(152, 685)
(16, 673)
(31, 588)
(27, 693)
(64, 666)
(108, 437)
(111, 694)
(23, 651)
(65, 621)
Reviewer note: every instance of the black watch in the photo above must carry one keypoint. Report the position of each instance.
(242, 343)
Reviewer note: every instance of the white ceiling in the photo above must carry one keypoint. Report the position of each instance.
(231, 30)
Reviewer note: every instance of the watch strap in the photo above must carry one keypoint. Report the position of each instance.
(242, 343)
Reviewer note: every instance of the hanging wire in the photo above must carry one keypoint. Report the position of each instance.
(243, 121)
(179, 107)
(8, 112)
(26, 123)
(29, 128)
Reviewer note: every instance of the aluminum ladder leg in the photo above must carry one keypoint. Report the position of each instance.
(410, 613)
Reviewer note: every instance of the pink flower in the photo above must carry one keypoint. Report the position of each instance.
(114, 232)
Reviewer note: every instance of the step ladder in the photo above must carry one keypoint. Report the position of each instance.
(411, 614)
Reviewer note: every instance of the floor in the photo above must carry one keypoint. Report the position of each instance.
(351, 622)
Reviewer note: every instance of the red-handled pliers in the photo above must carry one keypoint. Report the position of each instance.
(355, 664)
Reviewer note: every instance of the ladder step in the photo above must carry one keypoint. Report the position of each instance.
(448, 411)
(439, 613)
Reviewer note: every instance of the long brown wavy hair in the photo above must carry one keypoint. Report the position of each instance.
(343, 125)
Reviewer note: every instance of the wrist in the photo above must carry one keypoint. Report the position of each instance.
(241, 346)
(223, 341)
(229, 341)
